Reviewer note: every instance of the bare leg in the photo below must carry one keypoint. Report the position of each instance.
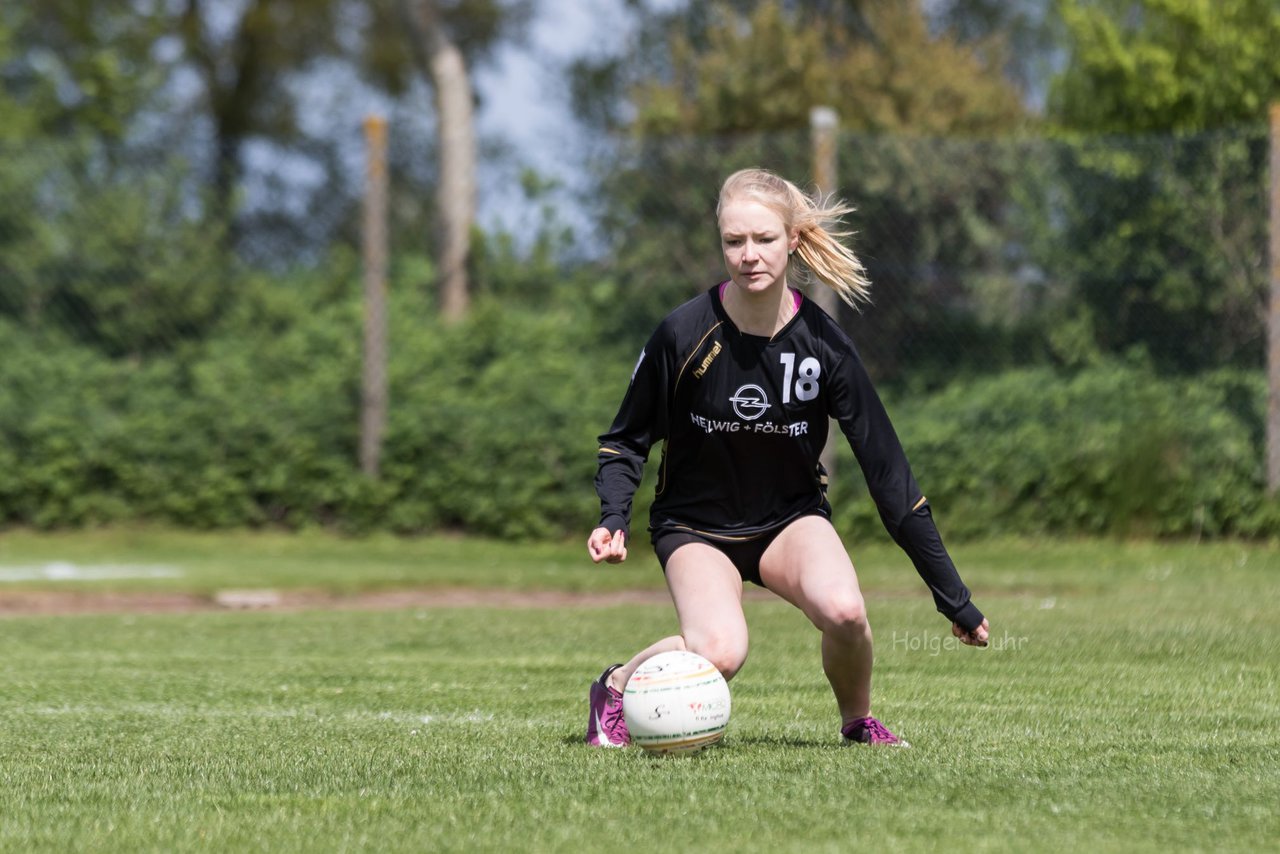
(707, 593)
(618, 678)
(808, 566)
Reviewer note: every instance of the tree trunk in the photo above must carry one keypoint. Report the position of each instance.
(455, 134)
(231, 94)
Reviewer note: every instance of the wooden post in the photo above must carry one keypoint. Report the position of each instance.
(1273, 313)
(373, 388)
(824, 126)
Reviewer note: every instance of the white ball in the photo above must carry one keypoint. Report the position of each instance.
(676, 702)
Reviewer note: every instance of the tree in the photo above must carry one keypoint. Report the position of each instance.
(446, 40)
(759, 66)
(97, 239)
(109, 232)
(456, 187)
(1030, 32)
(245, 69)
(247, 73)
(737, 91)
(82, 69)
(1161, 226)
(19, 177)
(1167, 65)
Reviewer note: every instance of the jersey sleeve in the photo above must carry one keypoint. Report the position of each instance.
(905, 512)
(640, 423)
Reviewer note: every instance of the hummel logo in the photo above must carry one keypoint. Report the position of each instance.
(706, 363)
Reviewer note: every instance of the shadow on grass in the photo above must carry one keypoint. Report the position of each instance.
(732, 740)
(778, 740)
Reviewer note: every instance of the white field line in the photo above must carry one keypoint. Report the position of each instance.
(66, 571)
(170, 711)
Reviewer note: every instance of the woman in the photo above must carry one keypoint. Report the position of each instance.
(739, 384)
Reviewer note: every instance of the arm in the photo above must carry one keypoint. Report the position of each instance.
(903, 509)
(918, 536)
(640, 422)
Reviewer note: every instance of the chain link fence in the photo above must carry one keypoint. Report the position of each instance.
(151, 366)
(982, 253)
(992, 253)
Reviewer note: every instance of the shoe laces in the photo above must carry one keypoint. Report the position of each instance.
(612, 708)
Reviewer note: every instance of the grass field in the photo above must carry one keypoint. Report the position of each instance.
(1129, 702)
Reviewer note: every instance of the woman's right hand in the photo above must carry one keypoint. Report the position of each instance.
(606, 546)
(977, 637)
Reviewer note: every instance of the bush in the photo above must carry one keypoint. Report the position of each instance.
(1114, 449)
(493, 426)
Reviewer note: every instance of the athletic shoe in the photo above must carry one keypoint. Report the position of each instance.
(606, 727)
(870, 731)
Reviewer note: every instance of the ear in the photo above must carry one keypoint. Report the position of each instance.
(793, 243)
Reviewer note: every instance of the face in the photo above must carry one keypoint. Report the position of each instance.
(755, 245)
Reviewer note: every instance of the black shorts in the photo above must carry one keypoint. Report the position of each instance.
(744, 554)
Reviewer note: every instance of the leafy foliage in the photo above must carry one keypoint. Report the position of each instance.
(1161, 235)
(120, 256)
(1167, 65)
(494, 421)
(1159, 245)
(492, 428)
(1113, 449)
(149, 372)
(83, 68)
(761, 67)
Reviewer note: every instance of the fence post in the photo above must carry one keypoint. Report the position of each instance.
(824, 126)
(373, 381)
(1273, 312)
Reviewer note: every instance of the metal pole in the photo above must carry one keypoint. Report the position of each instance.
(373, 397)
(1273, 313)
(824, 126)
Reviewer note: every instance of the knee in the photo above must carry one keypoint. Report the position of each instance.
(845, 617)
(727, 652)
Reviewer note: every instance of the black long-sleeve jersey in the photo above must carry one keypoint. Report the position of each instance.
(743, 420)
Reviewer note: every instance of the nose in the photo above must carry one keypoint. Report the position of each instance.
(749, 252)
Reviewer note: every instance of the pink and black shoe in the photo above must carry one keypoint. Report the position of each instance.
(606, 726)
(868, 730)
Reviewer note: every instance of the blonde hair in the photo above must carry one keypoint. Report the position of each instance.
(814, 222)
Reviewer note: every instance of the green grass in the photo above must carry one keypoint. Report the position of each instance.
(207, 562)
(1129, 703)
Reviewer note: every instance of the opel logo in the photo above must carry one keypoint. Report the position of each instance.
(749, 402)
